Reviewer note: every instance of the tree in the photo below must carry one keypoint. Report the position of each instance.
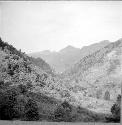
(63, 112)
(99, 94)
(19, 107)
(7, 103)
(107, 95)
(1, 83)
(115, 109)
(31, 110)
(23, 88)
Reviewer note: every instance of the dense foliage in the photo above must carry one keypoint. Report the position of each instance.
(107, 95)
(116, 109)
(15, 104)
(63, 112)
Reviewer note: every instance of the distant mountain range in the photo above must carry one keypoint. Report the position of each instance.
(66, 57)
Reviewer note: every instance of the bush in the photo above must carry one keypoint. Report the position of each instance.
(7, 102)
(107, 95)
(99, 94)
(65, 93)
(16, 105)
(31, 110)
(63, 112)
(19, 107)
(23, 88)
(115, 109)
(1, 84)
(7, 112)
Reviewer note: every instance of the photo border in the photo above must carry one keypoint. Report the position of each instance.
(17, 122)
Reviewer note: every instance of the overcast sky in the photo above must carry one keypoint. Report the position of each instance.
(36, 26)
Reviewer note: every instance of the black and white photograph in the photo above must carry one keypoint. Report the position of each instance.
(60, 62)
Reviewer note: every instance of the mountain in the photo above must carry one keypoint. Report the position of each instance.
(95, 75)
(65, 58)
(68, 49)
(61, 60)
(29, 91)
(42, 64)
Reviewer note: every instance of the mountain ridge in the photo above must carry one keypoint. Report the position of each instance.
(98, 71)
(67, 56)
(26, 83)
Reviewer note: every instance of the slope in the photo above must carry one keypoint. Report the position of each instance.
(28, 92)
(95, 81)
(66, 57)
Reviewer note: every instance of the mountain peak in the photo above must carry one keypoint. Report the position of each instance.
(69, 46)
(46, 52)
(68, 49)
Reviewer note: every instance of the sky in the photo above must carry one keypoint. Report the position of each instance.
(43, 25)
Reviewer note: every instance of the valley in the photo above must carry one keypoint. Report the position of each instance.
(83, 84)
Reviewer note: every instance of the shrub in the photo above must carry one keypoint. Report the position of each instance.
(29, 85)
(23, 88)
(7, 111)
(1, 84)
(107, 95)
(65, 93)
(19, 107)
(99, 94)
(115, 109)
(7, 102)
(63, 112)
(31, 110)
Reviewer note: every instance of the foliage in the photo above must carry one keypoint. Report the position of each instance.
(115, 109)
(41, 63)
(107, 95)
(7, 102)
(20, 75)
(1, 84)
(23, 88)
(19, 107)
(15, 105)
(10, 48)
(31, 110)
(65, 93)
(63, 112)
(99, 94)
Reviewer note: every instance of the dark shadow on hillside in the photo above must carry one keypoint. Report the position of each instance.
(16, 103)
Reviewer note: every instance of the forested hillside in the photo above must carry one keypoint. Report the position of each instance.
(29, 89)
(96, 79)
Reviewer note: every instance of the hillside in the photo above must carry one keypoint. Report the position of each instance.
(96, 76)
(66, 57)
(29, 91)
(23, 83)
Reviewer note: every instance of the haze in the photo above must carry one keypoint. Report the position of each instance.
(36, 26)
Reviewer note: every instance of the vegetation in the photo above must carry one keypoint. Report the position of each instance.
(30, 91)
(31, 110)
(63, 112)
(116, 111)
(14, 104)
(107, 95)
(99, 94)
